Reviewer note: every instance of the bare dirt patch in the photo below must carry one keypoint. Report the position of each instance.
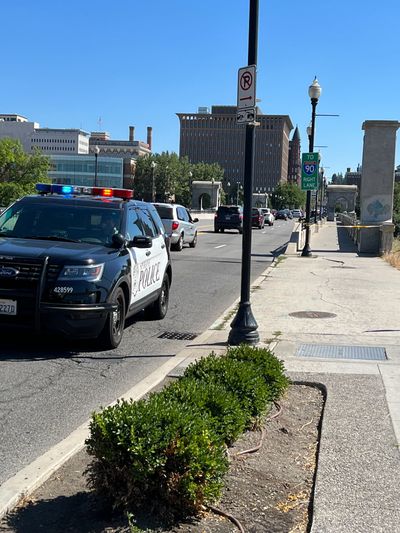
(267, 491)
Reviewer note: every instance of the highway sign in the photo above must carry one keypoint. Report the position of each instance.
(309, 171)
(246, 116)
(246, 93)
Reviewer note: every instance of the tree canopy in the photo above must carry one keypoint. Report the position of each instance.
(20, 171)
(171, 177)
(288, 195)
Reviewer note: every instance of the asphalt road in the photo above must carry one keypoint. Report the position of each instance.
(51, 386)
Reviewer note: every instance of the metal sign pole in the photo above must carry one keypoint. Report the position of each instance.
(244, 326)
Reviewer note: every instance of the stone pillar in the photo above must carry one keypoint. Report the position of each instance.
(377, 181)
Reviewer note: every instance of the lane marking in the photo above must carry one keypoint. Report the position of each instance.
(220, 246)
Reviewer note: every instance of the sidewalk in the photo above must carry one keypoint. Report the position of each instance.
(358, 477)
(348, 315)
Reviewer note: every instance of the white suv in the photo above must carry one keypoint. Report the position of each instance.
(268, 216)
(178, 224)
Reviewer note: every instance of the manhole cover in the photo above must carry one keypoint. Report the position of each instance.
(312, 314)
(370, 353)
(174, 335)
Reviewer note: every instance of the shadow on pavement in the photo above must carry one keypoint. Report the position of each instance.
(78, 513)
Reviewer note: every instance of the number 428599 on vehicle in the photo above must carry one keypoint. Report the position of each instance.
(78, 261)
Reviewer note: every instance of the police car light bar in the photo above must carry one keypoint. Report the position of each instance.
(105, 192)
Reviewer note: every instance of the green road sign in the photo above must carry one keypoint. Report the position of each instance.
(309, 171)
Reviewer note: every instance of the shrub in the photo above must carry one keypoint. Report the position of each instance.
(270, 368)
(170, 447)
(156, 449)
(224, 409)
(241, 378)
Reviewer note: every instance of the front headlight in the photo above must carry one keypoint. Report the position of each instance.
(81, 273)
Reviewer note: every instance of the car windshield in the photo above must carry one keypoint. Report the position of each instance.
(255, 211)
(165, 211)
(70, 223)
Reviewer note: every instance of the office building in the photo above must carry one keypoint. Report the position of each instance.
(48, 140)
(217, 138)
(81, 170)
(294, 165)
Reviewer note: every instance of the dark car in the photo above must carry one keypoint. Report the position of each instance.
(228, 217)
(281, 214)
(257, 218)
(78, 261)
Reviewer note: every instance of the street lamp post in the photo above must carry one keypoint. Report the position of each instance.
(239, 186)
(191, 188)
(96, 154)
(314, 92)
(244, 326)
(153, 181)
(321, 193)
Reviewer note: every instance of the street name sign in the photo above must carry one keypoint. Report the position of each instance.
(309, 171)
(246, 95)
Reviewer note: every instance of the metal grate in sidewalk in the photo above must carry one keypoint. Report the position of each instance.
(369, 353)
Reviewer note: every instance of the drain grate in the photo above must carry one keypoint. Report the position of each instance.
(176, 336)
(312, 314)
(370, 353)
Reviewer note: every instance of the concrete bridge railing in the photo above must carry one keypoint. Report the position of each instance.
(386, 231)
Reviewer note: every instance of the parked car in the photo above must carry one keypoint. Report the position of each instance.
(289, 213)
(228, 217)
(297, 213)
(268, 216)
(178, 224)
(281, 214)
(257, 218)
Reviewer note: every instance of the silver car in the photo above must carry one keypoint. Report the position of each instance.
(178, 224)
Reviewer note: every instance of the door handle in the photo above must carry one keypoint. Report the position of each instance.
(162, 246)
(148, 252)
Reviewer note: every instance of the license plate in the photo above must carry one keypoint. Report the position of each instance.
(227, 217)
(8, 307)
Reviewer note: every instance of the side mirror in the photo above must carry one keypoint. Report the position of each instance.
(141, 241)
(195, 220)
(118, 240)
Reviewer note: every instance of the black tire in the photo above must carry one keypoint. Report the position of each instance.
(222, 230)
(113, 330)
(158, 309)
(179, 245)
(216, 230)
(241, 231)
(194, 241)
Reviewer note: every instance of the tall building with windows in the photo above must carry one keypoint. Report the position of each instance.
(294, 166)
(217, 138)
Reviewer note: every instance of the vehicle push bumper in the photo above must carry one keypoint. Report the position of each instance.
(79, 321)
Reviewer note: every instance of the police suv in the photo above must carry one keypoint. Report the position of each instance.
(80, 260)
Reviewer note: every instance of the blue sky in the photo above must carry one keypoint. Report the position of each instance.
(65, 64)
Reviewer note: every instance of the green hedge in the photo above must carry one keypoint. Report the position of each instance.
(171, 446)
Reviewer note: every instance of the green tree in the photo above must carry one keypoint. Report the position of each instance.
(173, 177)
(19, 172)
(288, 195)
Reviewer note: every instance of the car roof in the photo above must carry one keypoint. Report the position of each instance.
(163, 204)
